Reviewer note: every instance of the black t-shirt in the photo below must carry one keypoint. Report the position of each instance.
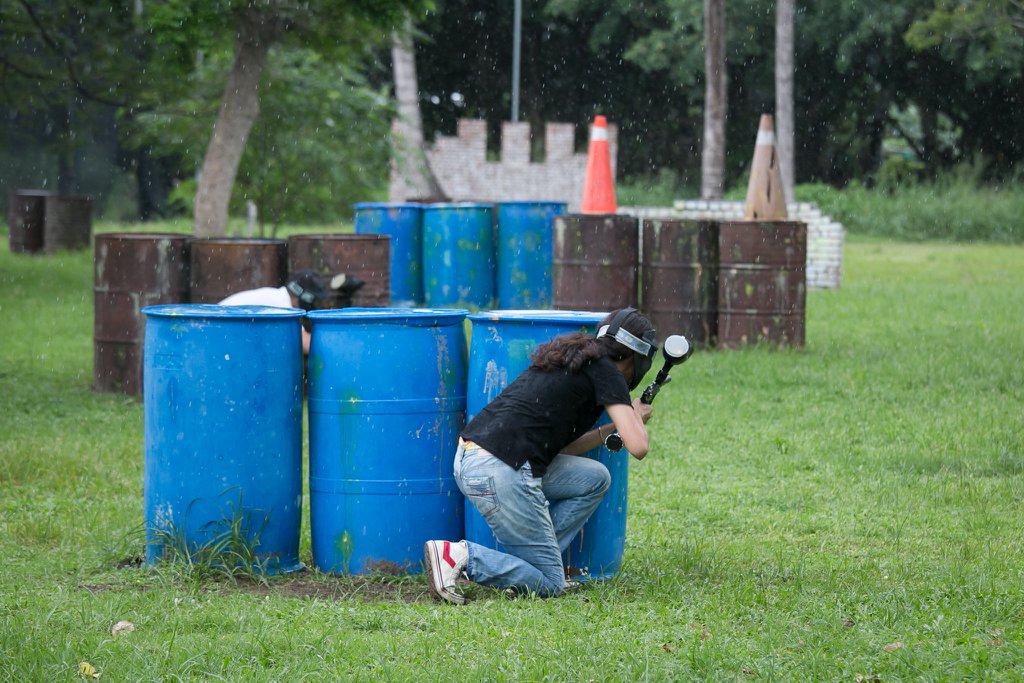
(541, 412)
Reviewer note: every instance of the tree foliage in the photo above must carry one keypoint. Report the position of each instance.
(156, 66)
(938, 80)
(862, 70)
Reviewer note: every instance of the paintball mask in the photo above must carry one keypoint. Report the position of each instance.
(314, 291)
(643, 350)
(307, 287)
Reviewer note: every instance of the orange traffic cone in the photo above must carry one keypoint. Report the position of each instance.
(766, 200)
(598, 187)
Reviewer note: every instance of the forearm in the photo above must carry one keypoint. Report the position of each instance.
(629, 422)
(589, 440)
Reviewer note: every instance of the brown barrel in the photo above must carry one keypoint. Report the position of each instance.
(26, 213)
(595, 262)
(68, 223)
(367, 257)
(221, 266)
(762, 283)
(679, 278)
(132, 271)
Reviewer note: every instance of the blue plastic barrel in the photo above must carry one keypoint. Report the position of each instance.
(525, 252)
(500, 349)
(404, 223)
(458, 255)
(387, 398)
(222, 390)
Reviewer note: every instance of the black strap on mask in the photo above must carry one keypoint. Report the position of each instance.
(305, 296)
(644, 347)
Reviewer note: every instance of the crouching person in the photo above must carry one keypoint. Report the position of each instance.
(517, 460)
(304, 289)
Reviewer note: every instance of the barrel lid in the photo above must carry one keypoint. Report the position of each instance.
(220, 312)
(338, 237)
(540, 316)
(426, 317)
(386, 205)
(536, 202)
(255, 241)
(142, 236)
(457, 205)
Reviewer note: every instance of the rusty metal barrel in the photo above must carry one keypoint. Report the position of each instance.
(762, 283)
(26, 214)
(68, 222)
(679, 277)
(132, 271)
(367, 257)
(221, 266)
(595, 262)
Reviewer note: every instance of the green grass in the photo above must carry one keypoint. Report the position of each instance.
(953, 208)
(851, 509)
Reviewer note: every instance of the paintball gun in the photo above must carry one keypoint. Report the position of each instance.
(676, 350)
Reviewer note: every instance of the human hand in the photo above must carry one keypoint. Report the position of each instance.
(642, 410)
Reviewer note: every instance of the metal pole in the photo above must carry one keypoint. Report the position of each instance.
(517, 21)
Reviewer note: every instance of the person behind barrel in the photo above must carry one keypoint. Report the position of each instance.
(304, 289)
(518, 459)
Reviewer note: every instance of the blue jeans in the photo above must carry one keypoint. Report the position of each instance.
(534, 518)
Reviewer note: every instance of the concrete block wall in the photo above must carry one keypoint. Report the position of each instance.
(463, 171)
(825, 236)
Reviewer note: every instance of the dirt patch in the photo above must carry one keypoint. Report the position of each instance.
(310, 585)
(389, 582)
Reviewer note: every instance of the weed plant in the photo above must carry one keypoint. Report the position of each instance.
(229, 551)
(849, 511)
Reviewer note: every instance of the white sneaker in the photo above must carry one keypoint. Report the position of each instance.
(444, 563)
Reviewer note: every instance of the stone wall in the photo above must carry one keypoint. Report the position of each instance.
(461, 167)
(825, 236)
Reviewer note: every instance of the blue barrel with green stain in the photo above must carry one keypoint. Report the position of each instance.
(222, 390)
(524, 253)
(387, 398)
(501, 345)
(404, 224)
(458, 255)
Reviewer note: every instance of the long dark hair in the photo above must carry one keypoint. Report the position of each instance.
(572, 351)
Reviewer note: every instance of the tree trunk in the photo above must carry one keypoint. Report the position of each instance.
(411, 176)
(238, 110)
(784, 114)
(712, 167)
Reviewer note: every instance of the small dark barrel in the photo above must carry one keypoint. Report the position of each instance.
(132, 271)
(367, 257)
(762, 283)
(26, 213)
(595, 262)
(680, 278)
(68, 223)
(221, 266)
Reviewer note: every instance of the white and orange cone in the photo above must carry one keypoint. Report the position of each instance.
(766, 199)
(598, 186)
